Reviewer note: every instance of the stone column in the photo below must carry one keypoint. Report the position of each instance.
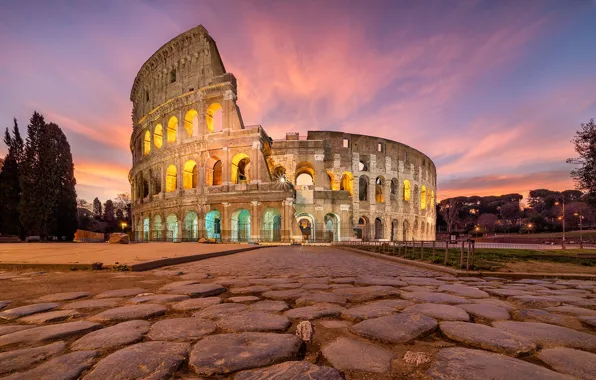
(226, 164)
(255, 161)
(226, 223)
(255, 221)
(345, 224)
(372, 187)
(321, 178)
(228, 110)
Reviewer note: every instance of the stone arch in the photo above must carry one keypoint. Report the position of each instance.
(171, 179)
(306, 223)
(363, 188)
(415, 229)
(406, 231)
(407, 190)
(379, 187)
(347, 183)
(241, 168)
(306, 172)
(364, 228)
(214, 117)
(394, 229)
(172, 129)
(158, 136)
(423, 199)
(213, 224)
(156, 233)
(241, 225)
(191, 122)
(144, 185)
(393, 187)
(363, 164)
(190, 175)
(191, 226)
(332, 232)
(213, 171)
(146, 228)
(146, 143)
(271, 226)
(379, 229)
(279, 173)
(172, 228)
(331, 177)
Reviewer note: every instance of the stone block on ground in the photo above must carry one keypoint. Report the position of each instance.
(573, 362)
(220, 310)
(439, 311)
(119, 238)
(129, 312)
(23, 311)
(64, 367)
(21, 359)
(293, 370)
(181, 329)
(485, 311)
(113, 336)
(59, 297)
(50, 316)
(196, 303)
(120, 293)
(250, 320)
(348, 354)
(50, 332)
(546, 335)
(315, 311)
(397, 328)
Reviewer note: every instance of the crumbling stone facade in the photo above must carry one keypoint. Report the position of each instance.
(199, 172)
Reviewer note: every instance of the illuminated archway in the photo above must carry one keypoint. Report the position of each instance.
(332, 184)
(191, 226)
(347, 183)
(146, 229)
(158, 136)
(423, 198)
(240, 168)
(241, 225)
(213, 224)
(362, 230)
(378, 229)
(213, 171)
(172, 228)
(332, 227)
(305, 172)
(156, 233)
(379, 194)
(171, 183)
(191, 122)
(306, 223)
(214, 117)
(172, 129)
(407, 190)
(147, 143)
(271, 225)
(190, 175)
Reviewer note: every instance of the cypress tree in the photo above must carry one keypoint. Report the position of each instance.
(97, 209)
(10, 189)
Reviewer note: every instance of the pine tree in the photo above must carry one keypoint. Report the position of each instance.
(97, 209)
(585, 145)
(10, 189)
(108, 211)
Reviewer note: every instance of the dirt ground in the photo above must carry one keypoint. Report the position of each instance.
(108, 254)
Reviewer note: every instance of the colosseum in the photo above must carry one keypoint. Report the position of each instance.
(200, 172)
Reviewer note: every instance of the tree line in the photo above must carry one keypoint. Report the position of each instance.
(37, 183)
(106, 217)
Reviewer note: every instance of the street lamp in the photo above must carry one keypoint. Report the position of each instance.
(581, 222)
(563, 220)
(123, 225)
(529, 227)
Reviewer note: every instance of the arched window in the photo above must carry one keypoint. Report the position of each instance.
(190, 175)
(304, 179)
(363, 165)
(214, 117)
(378, 228)
(407, 190)
(331, 180)
(172, 129)
(172, 228)
(171, 184)
(271, 225)
(191, 122)
(393, 188)
(156, 233)
(305, 174)
(379, 195)
(240, 168)
(279, 174)
(213, 224)
(217, 173)
(347, 183)
(158, 136)
(423, 198)
(147, 143)
(363, 188)
(191, 226)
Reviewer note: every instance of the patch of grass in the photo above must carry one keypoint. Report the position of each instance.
(587, 234)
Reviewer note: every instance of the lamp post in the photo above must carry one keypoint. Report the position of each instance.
(563, 220)
(581, 235)
(529, 227)
(123, 225)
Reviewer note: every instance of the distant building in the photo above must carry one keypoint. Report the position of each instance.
(198, 171)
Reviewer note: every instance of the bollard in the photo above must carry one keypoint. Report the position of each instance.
(446, 251)
(461, 255)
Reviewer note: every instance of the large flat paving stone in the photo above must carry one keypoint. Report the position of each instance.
(50, 316)
(59, 297)
(271, 306)
(243, 299)
(250, 289)
(463, 291)
(113, 336)
(545, 335)
(315, 311)
(64, 367)
(121, 293)
(366, 293)
(432, 297)
(176, 284)
(397, 328)
(290, 294)
(21, 359)
(588, 320)
(93, 304)
(196, 303)
(220, 310)
(348, 354)
(4, 303)
(539, 315)
(572, 310)
(293, 370)
(181, 329)
(374, 309)
(507, 292)
(50, 332)
(573, 362)
(486, 337)
(129, 312)
(456, 363)
(423, 281)
(379, 280)
(535, 302)
(250, 320)
(23, 311)
(149, 360)
(159, 298)
(225, 353)
(199, 290)
(439, 311)
(9, 329)
(495, 302)
(311, 299)
(485, 311)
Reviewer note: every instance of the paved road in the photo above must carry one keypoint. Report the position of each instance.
(246, 316)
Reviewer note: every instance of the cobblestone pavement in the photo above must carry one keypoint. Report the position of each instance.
(303, 313)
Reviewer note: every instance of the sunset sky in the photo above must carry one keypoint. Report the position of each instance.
(492, 91)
